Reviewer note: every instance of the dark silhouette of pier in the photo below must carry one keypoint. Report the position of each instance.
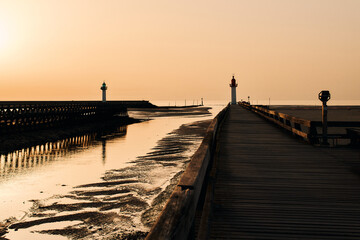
(16, 116)
(263, 183)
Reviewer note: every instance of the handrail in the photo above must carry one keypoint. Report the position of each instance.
(176, 219)
(296, 125)
(290, 123)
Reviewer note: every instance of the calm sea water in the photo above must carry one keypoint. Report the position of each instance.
(54, 169)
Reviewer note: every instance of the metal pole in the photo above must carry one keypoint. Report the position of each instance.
(269, 103)
(324, 96)
(324, 124)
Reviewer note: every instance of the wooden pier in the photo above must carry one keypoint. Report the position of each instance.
(263, 183)
(270, 185)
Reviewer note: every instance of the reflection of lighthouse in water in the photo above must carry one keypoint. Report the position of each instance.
(103, 150)
(233, 86)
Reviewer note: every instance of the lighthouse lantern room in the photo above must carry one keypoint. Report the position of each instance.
(233, 86)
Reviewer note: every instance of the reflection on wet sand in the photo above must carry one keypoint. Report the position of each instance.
(103, 150)
(29, 158)
(125, 202)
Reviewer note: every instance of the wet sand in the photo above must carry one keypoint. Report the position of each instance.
(126, 202)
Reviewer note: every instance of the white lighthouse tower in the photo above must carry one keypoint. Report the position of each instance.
(233, 86)
(103, 88)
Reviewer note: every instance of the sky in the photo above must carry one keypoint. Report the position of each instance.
(171, 50)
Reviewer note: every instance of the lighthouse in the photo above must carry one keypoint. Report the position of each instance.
(103, 88)
(233, 86)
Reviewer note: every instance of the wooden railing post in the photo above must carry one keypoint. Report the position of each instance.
(313, 139)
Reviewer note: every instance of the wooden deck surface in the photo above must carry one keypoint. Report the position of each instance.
(270, 185)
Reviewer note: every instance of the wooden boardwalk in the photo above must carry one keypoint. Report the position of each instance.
(270, 185)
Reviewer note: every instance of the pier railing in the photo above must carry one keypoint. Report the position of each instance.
(306, 129)
(176, 219)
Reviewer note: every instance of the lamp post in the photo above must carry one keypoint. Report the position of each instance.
(324, 96)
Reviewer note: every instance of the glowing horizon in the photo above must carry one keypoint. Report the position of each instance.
(168, 50)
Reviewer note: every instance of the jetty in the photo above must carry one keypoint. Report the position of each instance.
(17, 116)
(259, 174)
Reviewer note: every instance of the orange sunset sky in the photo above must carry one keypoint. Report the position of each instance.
(167, 49)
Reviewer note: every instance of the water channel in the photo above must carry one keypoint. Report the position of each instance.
(45, 176)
